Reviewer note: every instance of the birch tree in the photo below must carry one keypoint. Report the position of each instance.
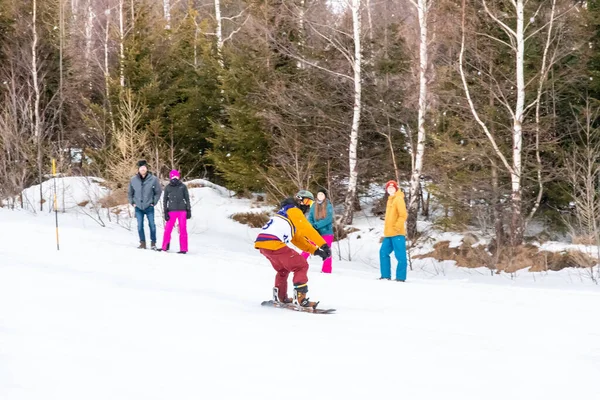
(355, 8)
(122, 45)
(417, 155)
(36, 115)
(516, 29)
(167, 12)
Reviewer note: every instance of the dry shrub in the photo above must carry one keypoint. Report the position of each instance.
(510, 259)
(254, 220)
(465, 255)
(341, 232)
(83, 203)
(584, 239)
(115, 198)
(194, 185)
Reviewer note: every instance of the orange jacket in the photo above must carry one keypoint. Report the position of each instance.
(289, 225)
(395, 216)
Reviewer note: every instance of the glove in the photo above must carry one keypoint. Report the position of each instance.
(188, 214)
(324, 252)
(167, 217)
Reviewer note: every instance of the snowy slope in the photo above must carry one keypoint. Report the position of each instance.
(102, 320)
(70, 192)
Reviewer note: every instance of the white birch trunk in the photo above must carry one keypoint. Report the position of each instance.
(36, 123)
(61, 32)
(301, 21)
(353, 148)
(74, 8)
(88, 34)
(546, 65)
(371, 60)
(167, 11)
(515, 177)
(419, 152)
(121, 46)
(107, 71)
(219, 33)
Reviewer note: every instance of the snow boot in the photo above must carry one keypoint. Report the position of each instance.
(182, 252)
(276, 296)
(300, 298)
(142, 245)
(153, 245)
(384, 279)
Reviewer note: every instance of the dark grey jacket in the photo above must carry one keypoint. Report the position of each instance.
(144, 192)
(176, 197)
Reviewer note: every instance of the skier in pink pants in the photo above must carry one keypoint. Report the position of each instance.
(176, 201)
(320, 217)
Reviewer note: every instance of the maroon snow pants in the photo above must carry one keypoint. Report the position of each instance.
(286, 260)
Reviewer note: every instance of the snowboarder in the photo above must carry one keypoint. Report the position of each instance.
(290, 225)
(144, 192)
(320, 217)
(394, 233)
(176, 203)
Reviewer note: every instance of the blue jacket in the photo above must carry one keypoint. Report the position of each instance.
(323, 226)
(144, 192)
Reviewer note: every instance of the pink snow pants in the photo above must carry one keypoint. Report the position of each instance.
(183, 236)
(327, 263)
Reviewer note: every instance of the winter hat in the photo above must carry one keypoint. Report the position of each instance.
(391, 183)
(324, 191)
(142, 163)
(174, 174)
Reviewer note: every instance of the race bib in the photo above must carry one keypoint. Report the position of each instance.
(278, 227)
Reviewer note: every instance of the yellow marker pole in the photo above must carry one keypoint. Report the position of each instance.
(55, 202)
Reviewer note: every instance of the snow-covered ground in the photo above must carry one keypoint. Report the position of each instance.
(100, 319)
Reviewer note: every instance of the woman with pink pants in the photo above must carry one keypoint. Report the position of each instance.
(321, 218)
(176, 202)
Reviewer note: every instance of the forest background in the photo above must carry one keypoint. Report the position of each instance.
(489, 107)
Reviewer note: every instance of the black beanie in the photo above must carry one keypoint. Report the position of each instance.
(324, 191)
(142, 163)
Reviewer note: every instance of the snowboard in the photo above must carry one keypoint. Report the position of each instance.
(291, 306)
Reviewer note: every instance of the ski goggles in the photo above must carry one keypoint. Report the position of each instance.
(306, 201)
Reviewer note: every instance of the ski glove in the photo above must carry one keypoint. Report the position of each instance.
(324, 252)
(167, 217)
(188, 214)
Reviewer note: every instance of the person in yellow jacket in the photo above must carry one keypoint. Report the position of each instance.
(290, 225)
(394, 233)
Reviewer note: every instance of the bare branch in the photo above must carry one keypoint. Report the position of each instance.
(505, 27)
(470, 100)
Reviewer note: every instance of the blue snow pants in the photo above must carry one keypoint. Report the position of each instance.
(397, 244)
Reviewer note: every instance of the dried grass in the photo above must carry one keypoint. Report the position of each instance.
(254, 220)
(510, 259)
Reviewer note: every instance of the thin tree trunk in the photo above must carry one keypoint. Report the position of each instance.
(391, 145)
(538, 104)
(61, 25)
(517, 226)
(88, 32)
(219, 33)
(371, 34)
(167, 11)
(196, 32)
(302, 42)
(37, 129)
(419, 152)
(132, 22)
(74, 8)
(107, 72)
(353, 148)
(497, 205)
(121, 46)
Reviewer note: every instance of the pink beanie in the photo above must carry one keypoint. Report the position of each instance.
(174, 174)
